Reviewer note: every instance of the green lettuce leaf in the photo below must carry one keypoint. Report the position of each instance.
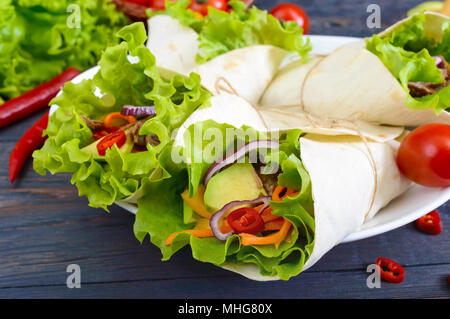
(121, 82)
(40, 38)
(408, 54)
(161, 213)
(221, 32)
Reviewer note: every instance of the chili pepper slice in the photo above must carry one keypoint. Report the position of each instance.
(30, 141)
(430, 223)
(119, 138)
(104, 131)
(390, 270)
(112, 118)
(34, 100)
(246, 220)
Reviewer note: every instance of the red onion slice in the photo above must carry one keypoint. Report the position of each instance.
(217, 216)
(438, 61)
(231, 158)
(138, 110)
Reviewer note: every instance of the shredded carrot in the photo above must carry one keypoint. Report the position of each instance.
(200, 233)
(282, 190)
(196, 203)
(446, 8)
(273, 225)
(276, 238)
(111, 119)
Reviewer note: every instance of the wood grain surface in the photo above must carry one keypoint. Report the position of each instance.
(45, 226)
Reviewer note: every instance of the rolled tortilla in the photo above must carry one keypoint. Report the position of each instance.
(346, 190)
(352, 177)
(352, 83)
(225, 107)
(247, 71)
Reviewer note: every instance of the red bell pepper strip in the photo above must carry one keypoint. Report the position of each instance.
(31, 140)
(119, 138)
(430, 223)
(34, 100)
(390, 270)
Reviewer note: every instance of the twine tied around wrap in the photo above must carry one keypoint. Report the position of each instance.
(316, 123)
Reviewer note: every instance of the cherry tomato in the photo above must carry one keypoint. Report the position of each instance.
(424, 155)
(119, 138)
(246, 220)
(291, 12)
(145, 3)
(158, 4)
(202, 6)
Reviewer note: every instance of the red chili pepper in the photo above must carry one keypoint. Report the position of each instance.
(430, 223)
(119, 138)
(390, 270)
(34, 100)
(30, 141)
(104, 131)
(246, 220)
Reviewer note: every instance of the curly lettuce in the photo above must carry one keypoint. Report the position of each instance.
(408, 54)
(221, 32)
(120, 82)
(285, 261)
(41, 38)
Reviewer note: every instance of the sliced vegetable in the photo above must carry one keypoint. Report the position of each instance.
(215, 219)
(30, 141)
(390, 270)
(246, 220)
(119, 138)
(130, 110)
(241, 152)
(424, 155)
(430, 223)
(117, 119)
(202, 6)
(34, 100)
(104, 131)
(200, 233)
(276, 238)
(280, 192)
(291, 12)
(196, 202)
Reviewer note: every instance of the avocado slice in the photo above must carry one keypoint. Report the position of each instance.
(237, 182)
(426, 6)
(92, 148)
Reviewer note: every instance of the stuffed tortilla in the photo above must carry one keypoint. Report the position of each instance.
(399, 77)
(271, 215)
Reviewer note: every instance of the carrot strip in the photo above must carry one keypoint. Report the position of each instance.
(273, 225)
(200, 233)
(196, 203)
(109, 119)
(280, 190)
(276, 238)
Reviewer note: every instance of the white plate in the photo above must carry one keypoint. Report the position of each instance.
(414, 203)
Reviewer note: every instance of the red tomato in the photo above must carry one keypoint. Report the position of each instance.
(202, 7)
(424, 155)
(145, 3)
(158, 4)
(246, 220)
(291, 12)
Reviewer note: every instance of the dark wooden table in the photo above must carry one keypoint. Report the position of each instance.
(45, 226)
